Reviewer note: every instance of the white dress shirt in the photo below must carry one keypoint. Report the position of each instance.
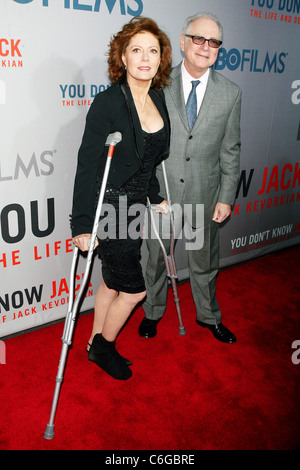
(187, 86)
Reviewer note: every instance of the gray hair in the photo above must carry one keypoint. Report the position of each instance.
(188, 22)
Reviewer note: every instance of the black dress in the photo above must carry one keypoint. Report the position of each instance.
(121, 222)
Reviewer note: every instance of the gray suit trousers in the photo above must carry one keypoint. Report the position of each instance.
(203, 269)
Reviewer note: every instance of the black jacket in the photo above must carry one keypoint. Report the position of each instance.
(112, 110)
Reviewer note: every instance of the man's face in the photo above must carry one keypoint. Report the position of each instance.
(198, 58)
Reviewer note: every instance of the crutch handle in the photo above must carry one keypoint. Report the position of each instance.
(114, 138)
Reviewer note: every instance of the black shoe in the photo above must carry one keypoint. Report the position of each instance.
(219, 331)
(104, 354)
(127, 361)
(147, 328)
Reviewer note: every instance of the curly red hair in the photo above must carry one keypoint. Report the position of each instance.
(120, 41)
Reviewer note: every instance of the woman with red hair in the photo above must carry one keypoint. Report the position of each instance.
(139, 61)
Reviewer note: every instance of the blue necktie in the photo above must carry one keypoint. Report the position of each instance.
(191, 105)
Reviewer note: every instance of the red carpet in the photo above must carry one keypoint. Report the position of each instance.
(187, 392)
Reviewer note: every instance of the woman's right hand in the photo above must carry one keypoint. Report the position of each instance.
(163, 207)
(82, 241)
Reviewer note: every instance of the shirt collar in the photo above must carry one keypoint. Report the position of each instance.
(187, 78)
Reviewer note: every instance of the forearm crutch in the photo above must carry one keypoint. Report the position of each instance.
(111, 141)
(169, 258)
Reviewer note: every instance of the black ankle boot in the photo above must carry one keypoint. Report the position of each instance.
(104, 354)
(127, 361)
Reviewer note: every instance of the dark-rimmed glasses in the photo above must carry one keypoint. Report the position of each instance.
(200, 40)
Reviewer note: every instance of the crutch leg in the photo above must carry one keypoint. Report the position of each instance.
(173, 279)
(67, 338)
(171, 256)
(112, 141)
(170, 266)
(49, 432)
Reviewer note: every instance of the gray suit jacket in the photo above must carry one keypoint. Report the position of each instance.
(203, 166)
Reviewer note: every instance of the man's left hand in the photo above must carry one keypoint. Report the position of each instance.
(222, 211)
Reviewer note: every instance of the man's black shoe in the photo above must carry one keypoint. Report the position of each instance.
(219, 331)
(147, 328)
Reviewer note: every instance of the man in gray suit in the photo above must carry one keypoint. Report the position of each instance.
(202, 169)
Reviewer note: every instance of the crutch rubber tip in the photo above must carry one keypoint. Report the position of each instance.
(49, 433)
(182, 331)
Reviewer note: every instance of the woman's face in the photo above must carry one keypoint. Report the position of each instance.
(142, 58)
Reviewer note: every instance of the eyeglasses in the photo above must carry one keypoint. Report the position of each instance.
(200, 40)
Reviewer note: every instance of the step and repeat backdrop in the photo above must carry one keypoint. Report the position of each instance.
(53, 63)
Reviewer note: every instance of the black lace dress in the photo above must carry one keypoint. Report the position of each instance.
(122, 219)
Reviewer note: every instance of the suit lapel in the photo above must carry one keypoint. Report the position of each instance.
(176, 92)
(136, 125)
(208, 99)
(161, 107)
